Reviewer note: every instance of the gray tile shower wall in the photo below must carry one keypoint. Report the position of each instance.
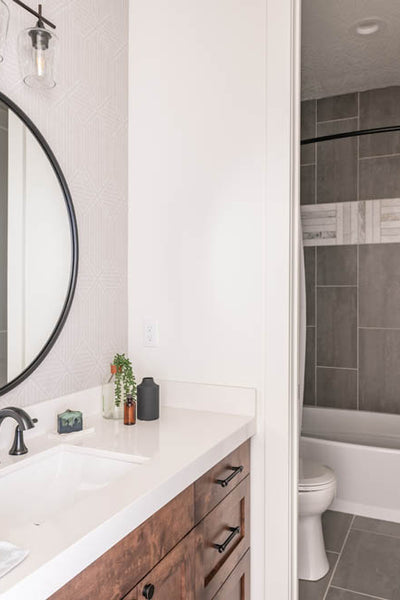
(353, 291)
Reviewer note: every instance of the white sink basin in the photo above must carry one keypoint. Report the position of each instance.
(44, 486)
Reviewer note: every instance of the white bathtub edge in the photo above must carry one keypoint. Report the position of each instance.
(363, 510)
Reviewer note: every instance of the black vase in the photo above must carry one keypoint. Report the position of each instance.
(148, 400)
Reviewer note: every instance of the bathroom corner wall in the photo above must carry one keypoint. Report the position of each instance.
(350, 196)
(84, 119)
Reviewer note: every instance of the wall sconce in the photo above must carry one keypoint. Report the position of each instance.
(36, 47)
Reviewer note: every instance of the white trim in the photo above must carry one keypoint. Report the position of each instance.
(282, 257)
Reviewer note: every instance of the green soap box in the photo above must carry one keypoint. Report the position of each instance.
(69, 421)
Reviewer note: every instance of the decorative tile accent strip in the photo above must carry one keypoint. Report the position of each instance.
(363, 222)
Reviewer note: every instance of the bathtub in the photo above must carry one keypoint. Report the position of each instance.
(364, 451)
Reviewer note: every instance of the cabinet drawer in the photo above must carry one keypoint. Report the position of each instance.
(119, 570)
(172, 578)
(237, 586)
(210, 489)
(222, 538)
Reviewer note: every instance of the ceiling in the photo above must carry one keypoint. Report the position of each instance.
(336, 59)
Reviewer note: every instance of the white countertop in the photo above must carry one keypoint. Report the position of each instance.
(180, 447)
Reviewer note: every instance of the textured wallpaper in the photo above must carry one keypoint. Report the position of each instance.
(84, 119)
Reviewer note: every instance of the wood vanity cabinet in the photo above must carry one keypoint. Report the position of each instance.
(194, 548)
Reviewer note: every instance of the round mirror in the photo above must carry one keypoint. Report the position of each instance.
(38, 247)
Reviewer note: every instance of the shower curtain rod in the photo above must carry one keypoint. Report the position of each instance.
(337, 136)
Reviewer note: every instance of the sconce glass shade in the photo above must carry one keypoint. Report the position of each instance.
(36, 48)
(4, 21)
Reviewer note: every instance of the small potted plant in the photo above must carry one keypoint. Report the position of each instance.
(120, 383)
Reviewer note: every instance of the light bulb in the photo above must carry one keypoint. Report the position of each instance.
(39, 60)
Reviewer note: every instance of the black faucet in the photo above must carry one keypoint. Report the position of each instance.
(24, 422)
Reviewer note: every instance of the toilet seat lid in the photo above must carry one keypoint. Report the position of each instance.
(314, 475)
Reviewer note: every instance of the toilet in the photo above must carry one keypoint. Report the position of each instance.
(317, 487)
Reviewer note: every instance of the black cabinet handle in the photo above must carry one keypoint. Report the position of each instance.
(222, 547)
(148, 591)
(235, 471)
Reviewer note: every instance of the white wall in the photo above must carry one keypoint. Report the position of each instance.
(198, 188)
(199, 222)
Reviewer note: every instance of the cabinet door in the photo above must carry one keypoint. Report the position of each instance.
(237, 586)
(172, 578)
(222, 539)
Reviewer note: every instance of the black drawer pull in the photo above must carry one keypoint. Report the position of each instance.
(222, 547)
(148, 591)
(236, 470)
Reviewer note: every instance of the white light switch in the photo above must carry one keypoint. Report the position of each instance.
(150, 333)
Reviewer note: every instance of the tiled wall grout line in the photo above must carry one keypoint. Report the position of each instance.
(336, 587)
(380, 328)
(337, 368)
(337, 120)
(395, 537)
(379, 156)
(337, 286)
(339, 557)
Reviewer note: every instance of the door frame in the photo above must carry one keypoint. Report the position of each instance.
(282, 218)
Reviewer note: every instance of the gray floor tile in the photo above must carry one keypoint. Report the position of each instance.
(379, 178)
(309, 263)
(338, 594)
(337, 265)
(337, 388)
(377, 526)
(335, 526)
(337, 169)
(315, 590)
(379, 285)
(369, 564)
(309, 379)
(337, 107)
(379, 370)
(337, 327)
(307, 184)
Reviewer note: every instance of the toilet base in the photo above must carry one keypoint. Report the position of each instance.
(312, 560)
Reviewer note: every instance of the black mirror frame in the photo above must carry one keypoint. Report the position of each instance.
(74, 243)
